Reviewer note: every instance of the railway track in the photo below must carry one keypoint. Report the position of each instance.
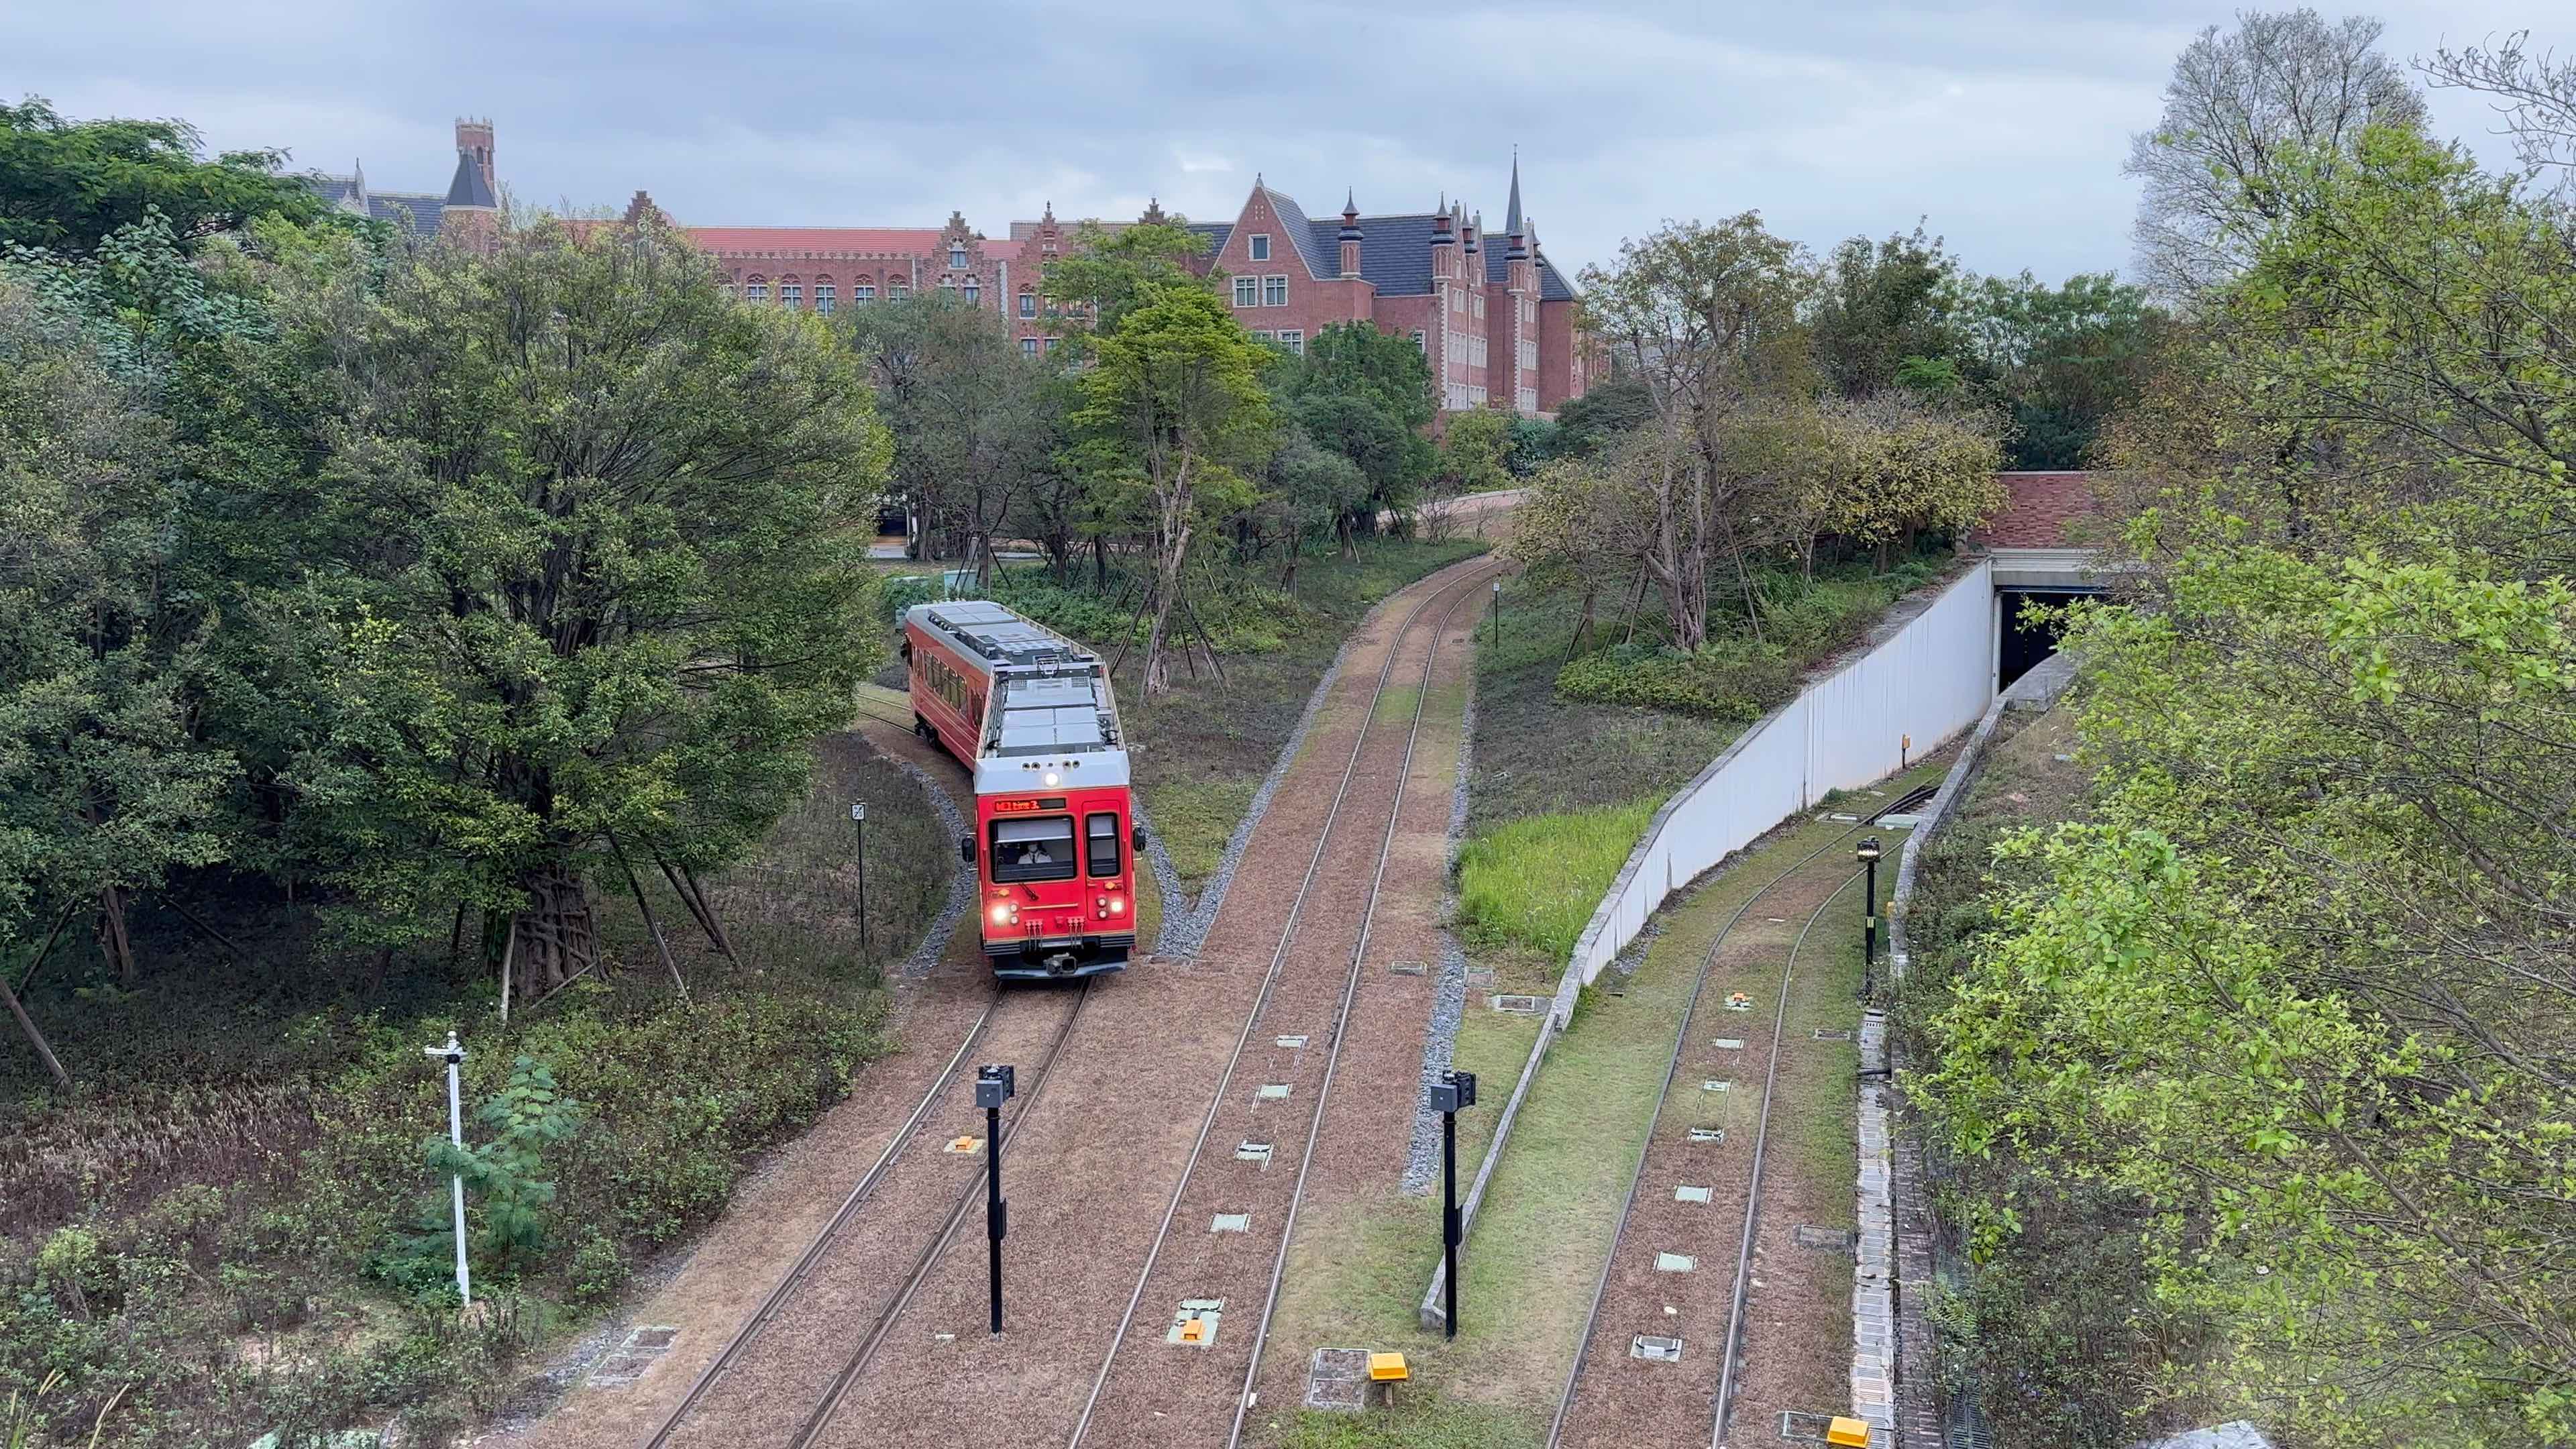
(876, 707)
(1692, 1023)
(1092, 1421)
(829, 1253)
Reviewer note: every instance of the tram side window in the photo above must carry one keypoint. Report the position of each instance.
(1103, 832)
(1039, 849)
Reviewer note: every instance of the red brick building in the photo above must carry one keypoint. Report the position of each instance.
(1495, 317)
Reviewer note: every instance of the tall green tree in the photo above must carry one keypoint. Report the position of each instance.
(1367, 395)
(619, 583)
(1175, 416)
(1106, 274)
(2061, 359)
(2302, 993)
(1884, 314)
(66, 185)
(1708, 318)
(976, 423)
(101, 792)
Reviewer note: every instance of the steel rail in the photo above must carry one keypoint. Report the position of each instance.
(813, 1254)
(1753, 1190)
(1672, 1069)
(1341, 1029)
(866, 1352)
(1270, 980)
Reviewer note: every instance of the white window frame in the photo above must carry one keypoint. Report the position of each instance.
(824, 298)
(863, 291)
(791, 295)
(898, 291)
(1028, 347)
(957, 258)
(1028, 304)
(1274, 291)
(1294, 339)
(970, 291)
(1263, 334)
(1418, 342)
(755, 291)
(1247, 291)
(1259, 246)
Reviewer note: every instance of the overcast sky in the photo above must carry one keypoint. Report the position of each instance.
(2003, 124)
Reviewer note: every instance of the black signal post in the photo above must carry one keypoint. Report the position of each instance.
(1498, 613)
(1867, 855)
(995, 1085)
(1454, 1090)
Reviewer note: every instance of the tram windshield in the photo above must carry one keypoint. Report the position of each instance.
(1033, 849)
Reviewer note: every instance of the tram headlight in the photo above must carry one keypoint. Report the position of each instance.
(1053, 779)
(1005, 914)
(1117, 905)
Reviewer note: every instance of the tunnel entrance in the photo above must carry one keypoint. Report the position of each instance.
(2027, 637)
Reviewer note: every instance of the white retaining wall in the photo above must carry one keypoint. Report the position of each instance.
(1929, 680)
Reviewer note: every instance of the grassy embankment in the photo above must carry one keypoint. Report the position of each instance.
(1561, 789)
(229, 1227)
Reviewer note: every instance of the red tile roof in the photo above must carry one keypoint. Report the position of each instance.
(869, 240)
(2039, 509)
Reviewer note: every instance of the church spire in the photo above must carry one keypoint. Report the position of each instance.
(1512, 223)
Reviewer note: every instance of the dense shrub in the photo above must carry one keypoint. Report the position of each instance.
(1732, 681)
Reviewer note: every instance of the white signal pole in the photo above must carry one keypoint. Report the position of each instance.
(455, 1058)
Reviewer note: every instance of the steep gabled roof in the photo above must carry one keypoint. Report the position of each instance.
(1301, 233)
(469, 188)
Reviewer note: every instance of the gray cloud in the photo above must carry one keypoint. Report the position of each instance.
(2002, 124)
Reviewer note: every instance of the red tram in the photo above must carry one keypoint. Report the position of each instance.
(1031, 714)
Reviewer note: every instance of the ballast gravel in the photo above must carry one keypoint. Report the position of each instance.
(961, 882)
(1449, 1006)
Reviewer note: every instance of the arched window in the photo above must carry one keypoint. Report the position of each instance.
(791, 293)
(824, 295)
(756, 289)
(863, 290)
(897, 289)
(970, 291)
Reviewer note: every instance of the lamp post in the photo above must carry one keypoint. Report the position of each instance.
(1454, 1090)
(859, 818)
(995, 1085)
(1498, 613)
(454, 1055)
(1867, 855)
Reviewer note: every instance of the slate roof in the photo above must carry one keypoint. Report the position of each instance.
(1302, 233)
(414, 213)
(469, 188)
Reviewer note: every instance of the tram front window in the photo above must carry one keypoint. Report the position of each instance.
(1040, 849)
